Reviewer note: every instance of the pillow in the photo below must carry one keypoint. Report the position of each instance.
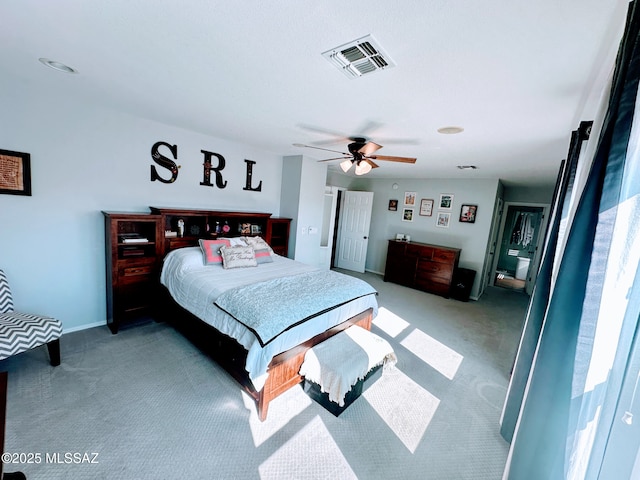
(238, 256)
(211, 250)
(237, 241)
(263, 255)
(258, 243)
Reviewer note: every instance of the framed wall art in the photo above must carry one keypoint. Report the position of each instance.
(446, 201)
(468, 213)
(409, 198)
(442, 220)
(407, 215)
(393, 205)
(15, 173)
(426, 207)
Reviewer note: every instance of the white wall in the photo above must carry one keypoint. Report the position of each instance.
(529, 195)
(84, 160)
(302, 199)
(472, 238)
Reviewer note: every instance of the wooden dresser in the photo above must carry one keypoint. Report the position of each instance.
(422, 266)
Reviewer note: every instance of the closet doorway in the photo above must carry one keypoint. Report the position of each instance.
(521, 238)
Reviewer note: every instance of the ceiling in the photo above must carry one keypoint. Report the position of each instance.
(518, 76)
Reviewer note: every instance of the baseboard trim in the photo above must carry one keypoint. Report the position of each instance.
(83, 327)
(373, 271)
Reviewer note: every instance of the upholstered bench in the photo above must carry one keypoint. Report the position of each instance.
(338, 370)
(23, 331)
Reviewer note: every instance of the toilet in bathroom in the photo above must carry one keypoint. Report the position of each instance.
(522, 268)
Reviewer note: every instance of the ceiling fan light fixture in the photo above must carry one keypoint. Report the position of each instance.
(345, 165)
(363, 168)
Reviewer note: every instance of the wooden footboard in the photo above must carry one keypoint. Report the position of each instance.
(230, 355)
(284, 368)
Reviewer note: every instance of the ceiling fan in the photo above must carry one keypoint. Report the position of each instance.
(361, 154)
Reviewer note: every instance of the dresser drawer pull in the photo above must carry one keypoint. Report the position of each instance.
(136, 271)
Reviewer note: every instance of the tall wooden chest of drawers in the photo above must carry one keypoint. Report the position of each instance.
(422, 266)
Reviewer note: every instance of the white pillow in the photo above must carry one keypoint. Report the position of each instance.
(237, 241)
(238, 257)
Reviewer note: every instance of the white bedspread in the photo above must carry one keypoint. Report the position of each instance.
(196, 287)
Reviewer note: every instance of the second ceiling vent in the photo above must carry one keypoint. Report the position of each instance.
(359, 57)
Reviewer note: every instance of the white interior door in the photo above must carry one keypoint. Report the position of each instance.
(353, 238)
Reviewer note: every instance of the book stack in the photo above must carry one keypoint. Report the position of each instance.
(132, 238)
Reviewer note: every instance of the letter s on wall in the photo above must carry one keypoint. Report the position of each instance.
(164, 162)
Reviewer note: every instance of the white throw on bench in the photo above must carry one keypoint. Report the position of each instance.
(340, 362)
(23, 331)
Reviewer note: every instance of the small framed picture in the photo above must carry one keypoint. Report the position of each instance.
(407, 215)
(255, 229)
(442, 220)
(393, 205)
(426, 207)
(15, 173)
(468, 213)
(409, 198)
(245, 228)
(446, 201)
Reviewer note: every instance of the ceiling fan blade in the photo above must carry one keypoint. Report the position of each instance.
(369, 148)
(393, 159)
(325, 131)
(336, 158)
(369, 127)
(371, 162)
(318, 148)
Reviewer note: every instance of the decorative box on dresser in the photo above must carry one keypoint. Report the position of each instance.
(133, 254)
(422, 266)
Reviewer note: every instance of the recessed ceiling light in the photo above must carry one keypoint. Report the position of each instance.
(467, 167)
(450, 130)
(57, 65)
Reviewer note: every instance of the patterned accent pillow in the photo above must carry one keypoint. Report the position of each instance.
(258, 243)
(211, 250)
(238, 256)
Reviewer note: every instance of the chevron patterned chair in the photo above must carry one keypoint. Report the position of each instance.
(23, 331)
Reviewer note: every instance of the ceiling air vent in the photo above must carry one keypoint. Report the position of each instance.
(360, 57)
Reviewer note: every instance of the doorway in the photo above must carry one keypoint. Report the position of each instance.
(354, 220)
(518, 253)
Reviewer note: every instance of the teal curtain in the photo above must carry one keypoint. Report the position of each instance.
(540, 296)
(584, 367)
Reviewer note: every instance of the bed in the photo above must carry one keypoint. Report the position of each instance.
(261, 319)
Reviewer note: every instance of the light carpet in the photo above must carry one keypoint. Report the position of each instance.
(152, 406)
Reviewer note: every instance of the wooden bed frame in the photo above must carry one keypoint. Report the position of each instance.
(230, 355)
(283, 369)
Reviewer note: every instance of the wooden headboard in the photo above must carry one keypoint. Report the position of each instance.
(210, 224)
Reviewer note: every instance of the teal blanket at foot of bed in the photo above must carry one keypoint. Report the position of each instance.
(272, 307)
